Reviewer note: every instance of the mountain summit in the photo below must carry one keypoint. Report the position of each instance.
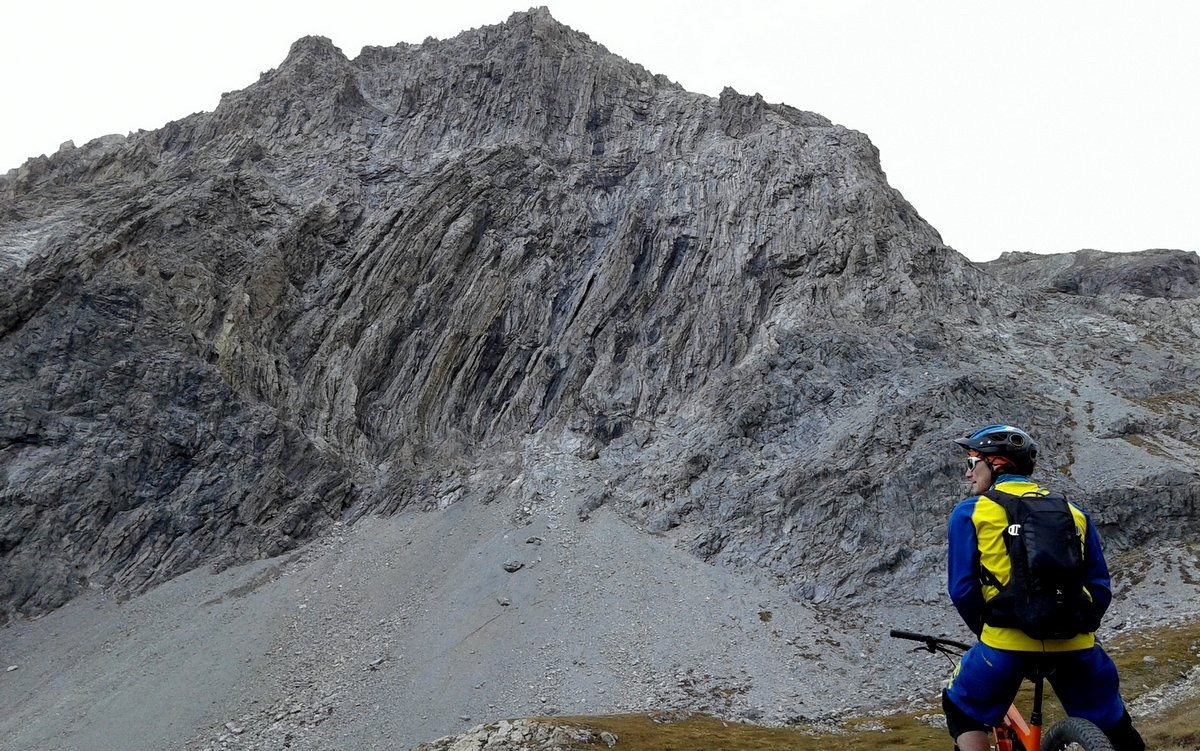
(405, 280)
(497, 376)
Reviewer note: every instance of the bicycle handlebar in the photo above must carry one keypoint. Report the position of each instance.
(932, 643)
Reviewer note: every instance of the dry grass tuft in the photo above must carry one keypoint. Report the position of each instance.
(1146, 659)
(704, 733)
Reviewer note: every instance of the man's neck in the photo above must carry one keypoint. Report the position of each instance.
(1010, 478)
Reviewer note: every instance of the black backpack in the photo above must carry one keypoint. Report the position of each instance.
(1045, 595)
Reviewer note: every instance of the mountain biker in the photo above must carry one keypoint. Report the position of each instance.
(1001, 458)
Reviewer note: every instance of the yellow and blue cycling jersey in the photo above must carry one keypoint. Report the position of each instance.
(976, 538)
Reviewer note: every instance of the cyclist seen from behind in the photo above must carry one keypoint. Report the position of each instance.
(1006, 542)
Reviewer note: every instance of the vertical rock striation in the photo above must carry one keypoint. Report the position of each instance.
(356, 278)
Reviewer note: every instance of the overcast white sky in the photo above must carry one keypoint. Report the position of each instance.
(1040, 126)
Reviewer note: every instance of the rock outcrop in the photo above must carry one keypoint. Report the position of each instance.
(520, 735)
(1170, 274)
(360, 285)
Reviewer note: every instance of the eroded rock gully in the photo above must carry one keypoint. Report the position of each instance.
(360, 285)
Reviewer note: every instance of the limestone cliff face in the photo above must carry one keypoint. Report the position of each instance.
(404, 278)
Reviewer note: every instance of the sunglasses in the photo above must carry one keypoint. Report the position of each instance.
(973, 461)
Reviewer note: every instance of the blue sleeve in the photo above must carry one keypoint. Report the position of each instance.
(1098, 582)
(962, 567)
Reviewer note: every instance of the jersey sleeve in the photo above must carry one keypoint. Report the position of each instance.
(1096, 576)
(962, 568)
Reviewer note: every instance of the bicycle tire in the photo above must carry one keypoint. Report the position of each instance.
(1075, 730)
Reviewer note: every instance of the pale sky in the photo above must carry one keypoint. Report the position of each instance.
(1038, 126)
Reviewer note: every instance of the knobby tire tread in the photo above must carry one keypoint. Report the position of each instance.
(1076, 730)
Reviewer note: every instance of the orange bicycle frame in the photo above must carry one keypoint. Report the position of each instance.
(1015, 728)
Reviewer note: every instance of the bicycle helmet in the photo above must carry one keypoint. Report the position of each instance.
(1001, 440)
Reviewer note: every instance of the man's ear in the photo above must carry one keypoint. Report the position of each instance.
(1001, 463)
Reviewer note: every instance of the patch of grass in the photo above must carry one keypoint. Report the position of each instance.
(1177, 730)
(1150, 658)
(1165, 403)
(643, 733)
(1173, 651)
(1149, 445)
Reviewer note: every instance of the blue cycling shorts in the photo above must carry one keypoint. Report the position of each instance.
(1085, 681)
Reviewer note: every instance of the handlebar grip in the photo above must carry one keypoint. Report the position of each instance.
(931, 642)
(896, 634)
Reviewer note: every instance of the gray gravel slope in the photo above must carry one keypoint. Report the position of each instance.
(394, 631)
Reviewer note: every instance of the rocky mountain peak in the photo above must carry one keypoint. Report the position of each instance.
(411, 279)
(1171, 274)
(539, 20)
(313, 48)
(538, 25)
(310, 62)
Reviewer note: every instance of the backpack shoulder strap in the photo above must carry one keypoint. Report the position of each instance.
(1009, 503)
(1006, 501)
(990, 579)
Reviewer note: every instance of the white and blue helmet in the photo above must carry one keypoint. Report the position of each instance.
(1001, 440)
